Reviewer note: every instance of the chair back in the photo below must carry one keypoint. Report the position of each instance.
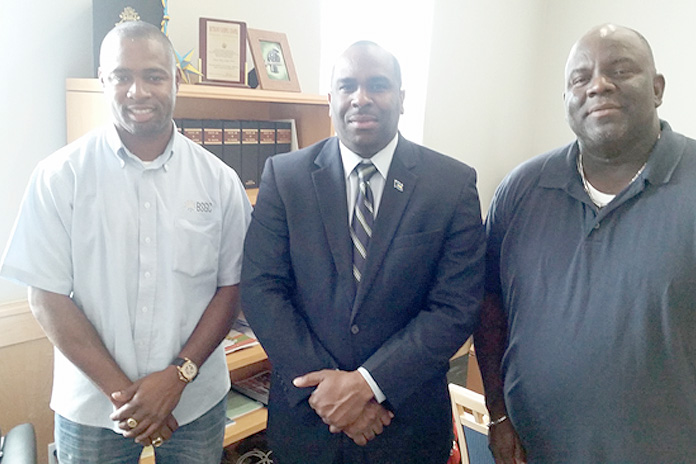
(19, 445)
(470, 421)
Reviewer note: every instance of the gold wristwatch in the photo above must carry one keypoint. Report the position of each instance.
(187, 369)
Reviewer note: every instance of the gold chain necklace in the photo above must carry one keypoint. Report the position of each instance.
(586, 185)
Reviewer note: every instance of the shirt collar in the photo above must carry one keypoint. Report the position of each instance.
(124, 154)
(666, 155)
(382, 159)
(561, 172)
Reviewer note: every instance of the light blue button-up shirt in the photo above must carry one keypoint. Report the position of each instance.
(141, 248)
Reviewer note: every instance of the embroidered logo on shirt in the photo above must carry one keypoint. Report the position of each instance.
(198, 206)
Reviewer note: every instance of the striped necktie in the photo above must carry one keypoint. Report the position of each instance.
(363, 219)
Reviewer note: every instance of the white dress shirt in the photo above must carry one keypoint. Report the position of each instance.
(382, 161)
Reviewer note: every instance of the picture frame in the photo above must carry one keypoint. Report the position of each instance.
(222, 51)
(270, 52)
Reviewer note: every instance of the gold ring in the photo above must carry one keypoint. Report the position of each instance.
(132, 423)
(157, 442)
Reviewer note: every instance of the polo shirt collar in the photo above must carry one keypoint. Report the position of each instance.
(665, 157)
(561, 171)
(124, 154)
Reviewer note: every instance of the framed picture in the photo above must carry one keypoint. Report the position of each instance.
(222, 51)
(275, 69)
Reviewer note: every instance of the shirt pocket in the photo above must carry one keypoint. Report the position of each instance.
(196, 246)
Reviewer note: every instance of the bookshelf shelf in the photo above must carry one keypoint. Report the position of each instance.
(246, 357)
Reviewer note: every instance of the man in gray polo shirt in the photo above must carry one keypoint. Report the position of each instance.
(587, 343)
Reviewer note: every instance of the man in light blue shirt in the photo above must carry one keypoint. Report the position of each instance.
(130, 240)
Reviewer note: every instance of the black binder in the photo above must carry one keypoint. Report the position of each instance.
(250, 154)
(267, 143)
(232, 145)
(212, 136)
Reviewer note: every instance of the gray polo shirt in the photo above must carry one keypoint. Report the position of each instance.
(601, 308)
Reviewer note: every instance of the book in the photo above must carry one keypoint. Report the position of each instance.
(212, 136)
(250, 154)
(236, 340)
(256, 386)
(284, 134)
(267, 143)
(232, 145)
(238, 405)
(193, 129)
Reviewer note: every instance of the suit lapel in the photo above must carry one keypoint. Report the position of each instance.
(400, 184)
(330, 190)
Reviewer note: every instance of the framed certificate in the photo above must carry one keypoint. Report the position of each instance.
(222, 51)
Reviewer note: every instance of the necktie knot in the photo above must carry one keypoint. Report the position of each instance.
(365, 171)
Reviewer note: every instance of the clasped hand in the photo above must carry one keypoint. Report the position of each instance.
(505, 444)
(150, 401)
(345, 402)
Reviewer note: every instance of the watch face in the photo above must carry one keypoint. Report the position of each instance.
(189, 369)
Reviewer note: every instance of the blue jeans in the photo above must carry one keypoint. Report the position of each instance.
(199, 442)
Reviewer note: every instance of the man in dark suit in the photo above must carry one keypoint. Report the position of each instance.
(360, 316)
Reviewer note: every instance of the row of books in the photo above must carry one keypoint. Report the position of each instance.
(241, 144)
(255, 387)
(238, 405)
(240, 336)
(248, 395)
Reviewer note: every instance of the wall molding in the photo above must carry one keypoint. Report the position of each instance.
(17, 324)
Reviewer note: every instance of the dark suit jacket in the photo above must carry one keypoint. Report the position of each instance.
(417, 304)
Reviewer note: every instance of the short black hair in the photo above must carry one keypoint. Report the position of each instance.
(138, 30)
(369, 43)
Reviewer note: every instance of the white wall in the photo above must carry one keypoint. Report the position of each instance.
(667, 24)
(481, 93)
(42, 43)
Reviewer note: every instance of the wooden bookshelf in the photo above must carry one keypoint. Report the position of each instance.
(245, 357)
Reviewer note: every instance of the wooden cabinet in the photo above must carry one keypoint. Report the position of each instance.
(86, 109)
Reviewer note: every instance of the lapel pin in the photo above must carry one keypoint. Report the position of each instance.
(398, 185)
